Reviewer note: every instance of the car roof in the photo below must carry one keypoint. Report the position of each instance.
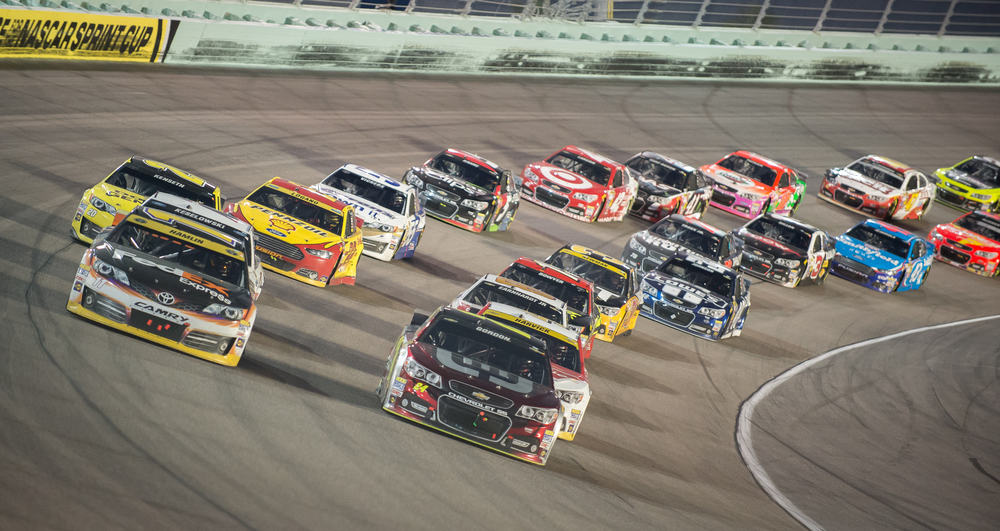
(759, 158)
(664, 158)
(889, 163)
(553, 271)
(708, 263)
(889, 229)
(376, 176)
(474, 321)
(293, 188)
(799, 223)
(198, 212)
(593, 155)
(482, 161)
(533, 321)
(527, 290)
(188, 179)
(687, 220)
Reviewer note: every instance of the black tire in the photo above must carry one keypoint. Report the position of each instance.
(822, 276)
(923, 209)
(599, 210)
(892, 210)
(766, 207)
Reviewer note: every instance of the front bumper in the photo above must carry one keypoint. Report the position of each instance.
(88, 222)
(294, 262)
(861, 274)
(453, 213)
(961, 199)
(558, 202)
(683, 318)
(766, 269)
(951, 254)
(855, 202)
(730, 201)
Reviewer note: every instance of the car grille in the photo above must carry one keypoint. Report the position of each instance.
(207, 342)
(849, 200)
(156, 325)
(729, 189)
(673, 315)
(851, 269)
(556, 187)
(722, 199)
(471, 420)
(549, 197)
(958, 245)
(89, 229)
(273, 244)
(491, 399)
(275, 262)
(374, 246)
(437, 207)
(752, 263)
(955, 256)
(104, 306)
(150, 294)
(950, 197)
(444, 194)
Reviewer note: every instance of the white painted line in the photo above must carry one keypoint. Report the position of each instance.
(744, 439)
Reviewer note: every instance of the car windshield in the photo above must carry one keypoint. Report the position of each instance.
(688, 235)
(466, 170)
(981, 224)
(591, 169)
(878, 172)
(699, 275)
(367, 189)
(488, 348)
(981, 170)
(577, 298)
(314, 215)
(787, 233)
(562, 353)
(146, 180)
(199, 260)
(607, 277)
(751, 169)
(487, 292)
(878, 239)
(661, 172)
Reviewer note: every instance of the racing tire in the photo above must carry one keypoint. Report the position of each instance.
(599, 210)
(795, 206)
(892, 211)
(333, 270)
(923, 278)
(766, 207)
(822, 277)
(923, 209)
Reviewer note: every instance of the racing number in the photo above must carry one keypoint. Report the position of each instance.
(914, 276)
(419, 387)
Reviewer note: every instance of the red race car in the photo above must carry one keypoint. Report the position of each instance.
(971, 242)
(580, 184)
(748, 185)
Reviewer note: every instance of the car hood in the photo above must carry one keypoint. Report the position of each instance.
(651, 187)
(365, 210)
(147, 275)
(967, 237)
(463, 189)
(778, 249)
(961, 177)
(284, 227)
(684, 293)
(865, 184)
(740, 182)
(866, 254)
(664, 246)
(567, 380)
(564, 180)
(120, 198)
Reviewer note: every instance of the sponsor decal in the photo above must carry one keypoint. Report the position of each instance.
(477, 404)
(489, 332)
(273, 214)
(160, 312)
(419, 387)
(165, 298)
(281, 224)
(276, 233)
(240, 342)
(78, 286)
(168, 180)
(91, 212)
(547, 439)
(397, 386)
(200, 284)
(565, 178)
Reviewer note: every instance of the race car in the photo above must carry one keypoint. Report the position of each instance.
(882, 257)
(667, 186)
(785, 251)
(176, 273)
(390, 210)
(302, 234)
(971, 242)
(747, 184)
(575, 291)
(564, 349)
(616, 287)
(494, 289)
(647, 249)
(879, 187)
(972, 184)
(466, 190)
(477, 379)
(136, 179)
(580, 184)
(697, 296)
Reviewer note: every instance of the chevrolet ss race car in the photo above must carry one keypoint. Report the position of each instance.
(879, 187)
(136, 179)
(564, 350)
(580, 184)
(467, 191)
(667, 186)
(390, 210)
(748, 184)
(477, 379)
(971, 242)
(697, 296)
(785, 251)
(647, 249)
(576, 292)
(493, 289)
(882, 257)
(972, 184)
(176, 273)
(302, 234)
(616, 287)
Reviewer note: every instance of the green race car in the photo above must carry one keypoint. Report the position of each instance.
(973, 184)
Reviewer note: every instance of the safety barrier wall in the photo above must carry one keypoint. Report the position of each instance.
(288, 36)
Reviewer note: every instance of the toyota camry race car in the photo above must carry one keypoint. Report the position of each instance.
(563, 347)
(971, 242)
(882, 257)
(748, 184)
(176, 273)
(493, 289)
(697, 296)
(616, 287)
(302, 234)
(477, 379)
(647, 249)
(467, 191)
(392, 215)
(879, 187)
(667, 186)
(972, 184)
(580, 184)
(785, 251)
(576, 292)
(136, 179)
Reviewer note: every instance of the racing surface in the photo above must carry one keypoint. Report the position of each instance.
(102, 430)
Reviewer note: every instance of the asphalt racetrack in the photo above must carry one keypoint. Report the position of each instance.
(100, 430)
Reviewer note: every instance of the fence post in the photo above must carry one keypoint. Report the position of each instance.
(701, 13)
(641, 15)
(947, 18)
(885, 17)
(822, 16)
(760, 15)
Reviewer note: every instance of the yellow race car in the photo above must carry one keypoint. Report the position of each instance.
(302, 233)
(130, 184)
(973, 184)
(616, 287)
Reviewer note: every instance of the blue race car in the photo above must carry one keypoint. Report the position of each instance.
(696, 295)
(882, 257)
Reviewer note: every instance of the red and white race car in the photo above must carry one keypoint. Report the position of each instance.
(971, 242)
(580, 184)
(879, 187)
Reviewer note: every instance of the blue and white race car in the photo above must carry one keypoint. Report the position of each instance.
(882, 257)
(392, 216)
(696, 295)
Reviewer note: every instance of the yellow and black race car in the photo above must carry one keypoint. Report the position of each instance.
(130, 184)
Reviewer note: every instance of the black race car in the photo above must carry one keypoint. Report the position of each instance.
(680, 235)
(785, 250)
(667, 186)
